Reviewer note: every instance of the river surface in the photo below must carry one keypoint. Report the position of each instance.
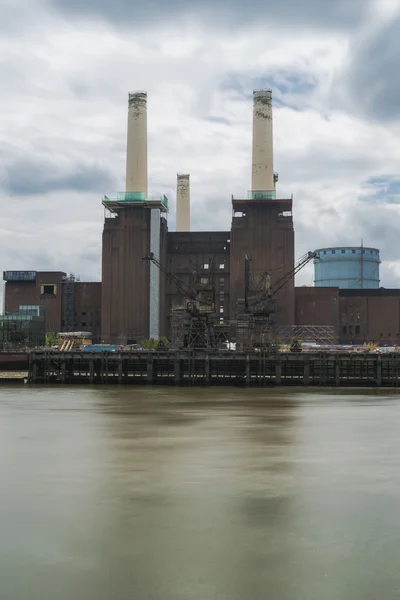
(182, 494)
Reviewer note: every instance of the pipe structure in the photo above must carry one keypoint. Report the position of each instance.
(183, 203)
(262, 155)
(136, 153)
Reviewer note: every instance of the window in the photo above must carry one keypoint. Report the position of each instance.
(324, 251)
(344, 329)
(203, 281)
(333, 251)
(350, 329)
(353, 251)
(48, 290)
(83, 323)
(83, 314)
(357, 329)
(206, 266)
(222, 266)
(221, 309)
(343, 251)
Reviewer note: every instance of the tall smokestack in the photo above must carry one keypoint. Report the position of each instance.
(136, 154)
(183, 203)
(263, 154)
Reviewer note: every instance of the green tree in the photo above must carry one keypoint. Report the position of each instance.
(51, 339)
(150, 344)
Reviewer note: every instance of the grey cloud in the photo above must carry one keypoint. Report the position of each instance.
(330, 14)
(287, 85)
(378, 227)
(322, 163)
(370, 85)
(26, 177)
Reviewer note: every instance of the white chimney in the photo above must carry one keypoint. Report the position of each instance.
(263, 155)
(136, 154)
(183, 203)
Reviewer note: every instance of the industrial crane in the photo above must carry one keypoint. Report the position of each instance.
(191, 325)
(260, 302)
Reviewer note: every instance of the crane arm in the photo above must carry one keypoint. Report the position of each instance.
(174, 278)
(273, 290)
(303, 261)
(181, 287)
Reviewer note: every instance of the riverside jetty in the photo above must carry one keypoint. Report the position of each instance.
(215, 368)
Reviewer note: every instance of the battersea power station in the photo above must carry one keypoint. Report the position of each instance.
(150, 274)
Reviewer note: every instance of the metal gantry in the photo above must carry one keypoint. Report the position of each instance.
(255, 315)
(192, 321)
(318, 334)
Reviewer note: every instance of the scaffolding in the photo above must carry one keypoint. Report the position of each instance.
(69, 303)
(193, 331)
(177, 328)
(317, 334)
(200, 333)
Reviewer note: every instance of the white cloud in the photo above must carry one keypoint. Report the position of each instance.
(64, 109)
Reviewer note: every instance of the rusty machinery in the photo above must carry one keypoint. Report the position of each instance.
(192, 319)
(256, 312)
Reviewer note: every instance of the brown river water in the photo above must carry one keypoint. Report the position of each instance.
(197, 494)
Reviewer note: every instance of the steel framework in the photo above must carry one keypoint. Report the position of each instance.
(69, 302)
(192, 322)
(255, 314)
(318, 334)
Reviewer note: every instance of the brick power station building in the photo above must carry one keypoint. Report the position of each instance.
(135, 297)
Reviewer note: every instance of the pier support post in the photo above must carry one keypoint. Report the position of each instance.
(34, 369)
(337, 370)
(207, 370)
(177, 370)
(150, 369)
(63, 370)
(91, 369)
(306, 377)
(247, 369)
(278, 370)
(120, 369)
(379, 371)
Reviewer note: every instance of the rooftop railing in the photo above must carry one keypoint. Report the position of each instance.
(137, 197)
(261, 195)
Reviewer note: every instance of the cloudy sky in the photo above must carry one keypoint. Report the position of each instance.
(66, 67)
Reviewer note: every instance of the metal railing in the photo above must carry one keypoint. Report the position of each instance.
(261, 195)
(136, 197)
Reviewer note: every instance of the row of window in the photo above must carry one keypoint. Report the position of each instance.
(207, 266)
(350, 328)
(353, 251)
(357, 330)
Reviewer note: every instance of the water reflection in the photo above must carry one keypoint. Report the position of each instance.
(195, 494)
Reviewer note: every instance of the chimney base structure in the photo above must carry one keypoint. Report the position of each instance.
(134, 226)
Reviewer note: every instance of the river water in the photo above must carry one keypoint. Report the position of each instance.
(189, 494)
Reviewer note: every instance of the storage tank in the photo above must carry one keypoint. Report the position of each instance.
(347, 267)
